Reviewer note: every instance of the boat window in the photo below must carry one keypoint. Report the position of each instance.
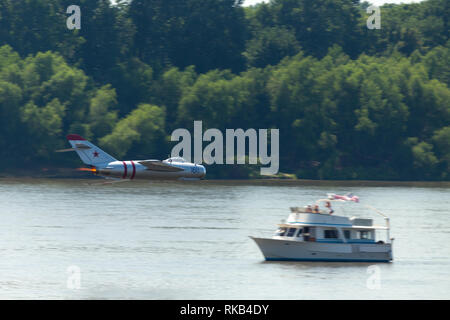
(364, 234)
(280, 232)
(291, 232)
(330, 234)
(299, 234)
(347, 234)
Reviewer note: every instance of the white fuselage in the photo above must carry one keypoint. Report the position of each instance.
(132, 170)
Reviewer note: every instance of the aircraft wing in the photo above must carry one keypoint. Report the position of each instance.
(157, 165)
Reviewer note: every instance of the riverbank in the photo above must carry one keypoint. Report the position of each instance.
(243, 182)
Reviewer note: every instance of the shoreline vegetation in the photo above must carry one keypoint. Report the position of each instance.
(254, 182)
(350, 103)
(67, 174)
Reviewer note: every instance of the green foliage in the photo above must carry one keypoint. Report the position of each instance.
(441, 140)
(10, 99)
(44, 125)
(206, 33)
(41, 97)
(102, 111)
(142, 129)
(424, 159)
(437, 63)
(133, 80)
(270, 46)
(169, 90)
(406, 28)
(8, 57)
(321, 23)
(30, 26)
(350, 103)
(219, 98)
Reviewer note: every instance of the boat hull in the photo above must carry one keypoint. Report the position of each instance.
(291, 250)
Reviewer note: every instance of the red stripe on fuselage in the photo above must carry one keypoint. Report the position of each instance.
(125, 170)
(134, 170)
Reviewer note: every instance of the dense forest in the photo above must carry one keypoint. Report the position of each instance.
(350, 102)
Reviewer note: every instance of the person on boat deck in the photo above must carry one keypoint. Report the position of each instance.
(308, 208)
(328, 205)
(316, 209)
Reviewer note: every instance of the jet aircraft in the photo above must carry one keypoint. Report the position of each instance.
(103, 164)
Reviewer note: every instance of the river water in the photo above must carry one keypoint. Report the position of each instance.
(77, 239)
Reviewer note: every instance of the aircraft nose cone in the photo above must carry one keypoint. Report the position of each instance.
(203, 171)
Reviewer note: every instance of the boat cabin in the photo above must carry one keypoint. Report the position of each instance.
(323, 227)
(324, 234)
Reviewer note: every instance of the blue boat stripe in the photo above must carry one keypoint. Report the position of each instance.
(348, 241)
(328, 224)
(325, 260)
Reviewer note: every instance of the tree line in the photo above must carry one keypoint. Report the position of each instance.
(350, 103)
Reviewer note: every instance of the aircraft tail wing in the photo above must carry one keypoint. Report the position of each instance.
(88, 152)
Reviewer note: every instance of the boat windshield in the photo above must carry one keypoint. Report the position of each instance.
(280, 232)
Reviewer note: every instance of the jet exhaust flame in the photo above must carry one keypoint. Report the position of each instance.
(87, 170)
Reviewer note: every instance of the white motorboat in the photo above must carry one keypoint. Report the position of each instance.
(314, 235)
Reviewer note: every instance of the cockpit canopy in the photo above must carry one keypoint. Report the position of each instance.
(176, 159)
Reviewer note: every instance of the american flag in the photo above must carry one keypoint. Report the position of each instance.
(347, 197)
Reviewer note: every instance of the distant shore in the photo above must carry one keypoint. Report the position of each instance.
(71, 174)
